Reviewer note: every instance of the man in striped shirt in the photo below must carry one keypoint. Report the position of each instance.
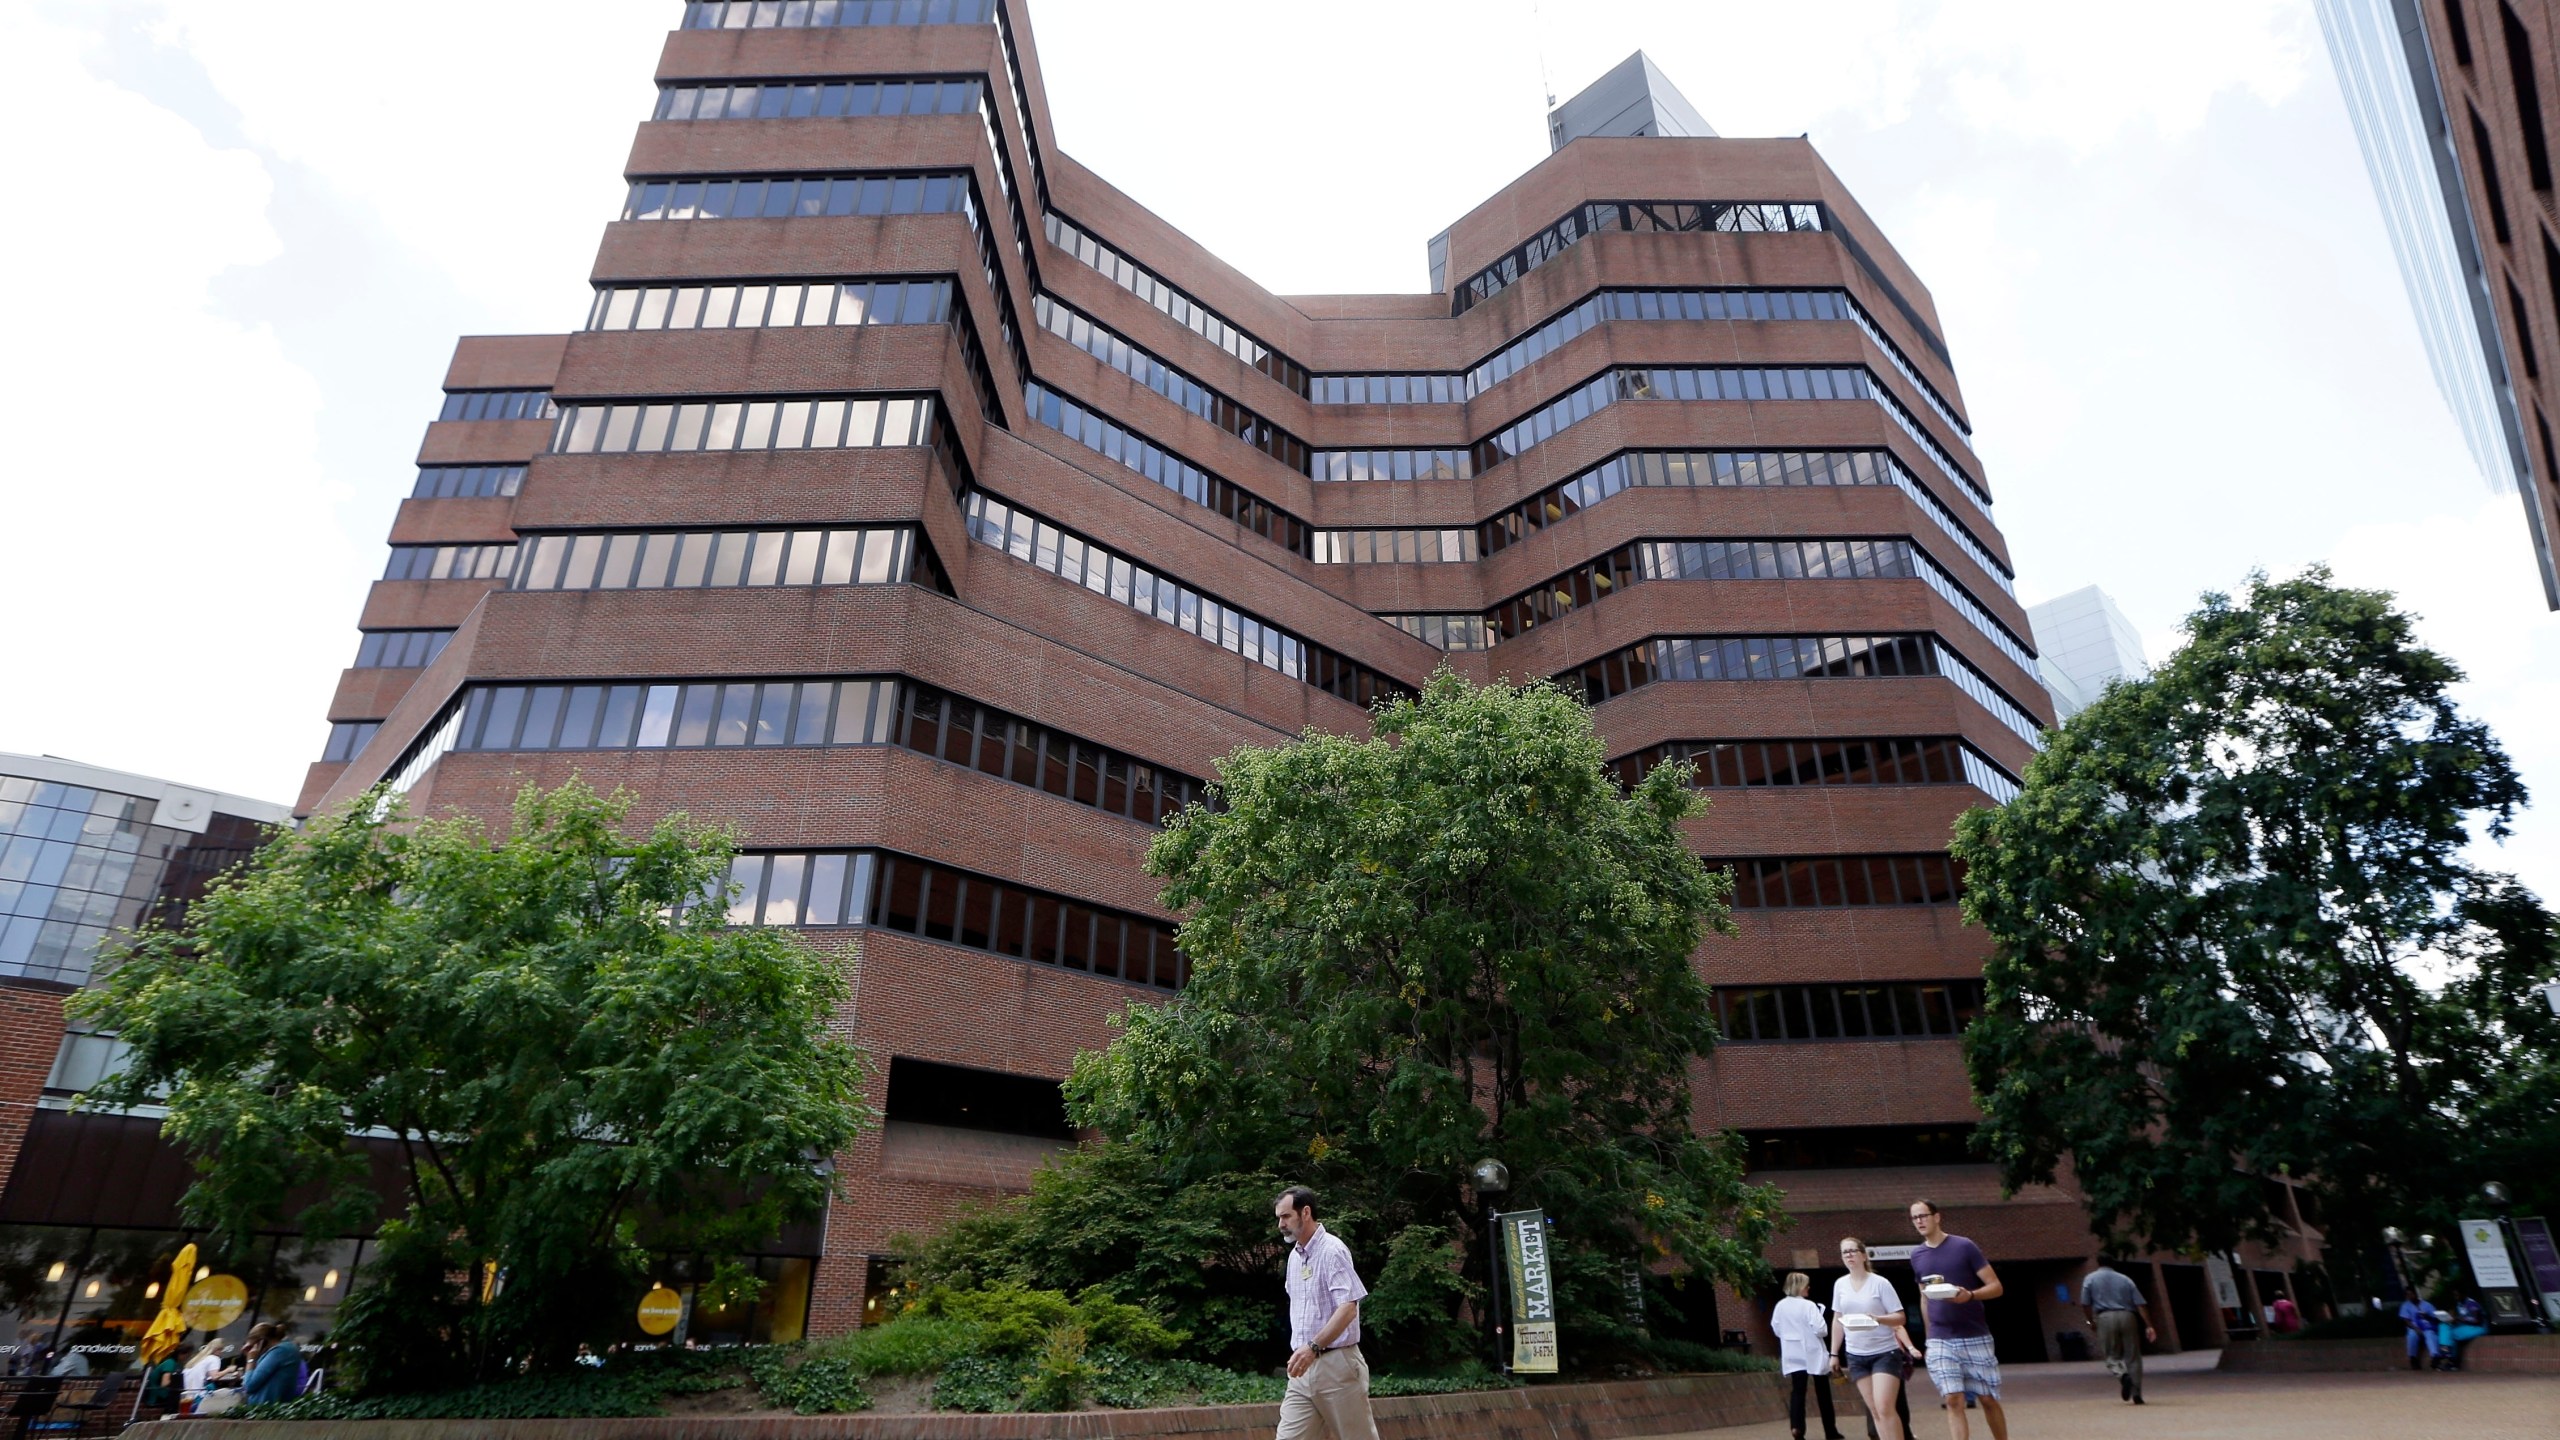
(1328, 1381)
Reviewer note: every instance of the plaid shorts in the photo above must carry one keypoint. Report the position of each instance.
(1964, 1364)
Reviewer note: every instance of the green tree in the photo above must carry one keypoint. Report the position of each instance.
(574, 1058)
(1453, 940)
(2235, 935)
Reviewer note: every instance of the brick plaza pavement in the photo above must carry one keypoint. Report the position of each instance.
(2183, 1401)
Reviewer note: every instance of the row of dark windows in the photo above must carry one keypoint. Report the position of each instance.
(941, 902)
(497, 405)
(1751, 657)
(1755, 764)
(752, 304)
(1115, 350)
(1116, 442)
(822, 14)
(1792, 657)
(1063, 553)
(717, 559)
(1833, 881)
(400, 649)
(715, 714)
(780, 196)
(451, 562)
(466, 482)
(1729, 216)
(1562, 595)
(347, 737)
(1859, 1147)
(1702, 469)
(1637, 469)
(1884, 559)
(832, 422)
(1587, 220)
(1881, 1010)
(800, 99)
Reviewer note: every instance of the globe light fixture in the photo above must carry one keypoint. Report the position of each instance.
(2495, 1193)
(1489, 1176)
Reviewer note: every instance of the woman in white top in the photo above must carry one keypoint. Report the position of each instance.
(1873, 1353)
(1804, 1354)
(199, 1372)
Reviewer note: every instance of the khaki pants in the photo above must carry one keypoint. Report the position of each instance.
(2120, 1340)
(1332, 1398)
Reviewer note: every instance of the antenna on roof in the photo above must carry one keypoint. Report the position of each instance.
(1538, 38)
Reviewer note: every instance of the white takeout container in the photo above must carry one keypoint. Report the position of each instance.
(1940, 1291)
(1857, 1322)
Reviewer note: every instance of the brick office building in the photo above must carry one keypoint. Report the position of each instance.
(2453, 103)
(921, 504)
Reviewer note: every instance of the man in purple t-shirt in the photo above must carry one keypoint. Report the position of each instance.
(1961, 1362)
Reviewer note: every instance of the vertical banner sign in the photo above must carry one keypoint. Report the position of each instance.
(1533, 1292)
(2493, 1270)
(2226, 1290)
(2542, 1258)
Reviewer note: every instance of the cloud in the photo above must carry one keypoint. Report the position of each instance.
(2468, 576)
(166, 510)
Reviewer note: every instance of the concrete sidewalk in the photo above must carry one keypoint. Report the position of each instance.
(2186, 1399)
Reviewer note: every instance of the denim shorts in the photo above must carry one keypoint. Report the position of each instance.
(1884, 1362)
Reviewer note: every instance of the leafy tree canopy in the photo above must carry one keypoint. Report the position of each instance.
(1454, 940)
(2235, 936)
(572, 1056)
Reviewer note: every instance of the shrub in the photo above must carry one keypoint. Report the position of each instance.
(1061, 1376)
(822, 1383)
(909, 1344)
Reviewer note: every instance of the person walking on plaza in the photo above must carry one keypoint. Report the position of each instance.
(2113, 1306)
(1961, 1361)
(1873, 1353)
(1328, 1381)
(1804, 1354)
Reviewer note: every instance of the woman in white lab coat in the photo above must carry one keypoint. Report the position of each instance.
(1804, 1353)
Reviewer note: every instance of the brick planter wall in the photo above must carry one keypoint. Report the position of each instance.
(1615, 1411)
(2490, 1354)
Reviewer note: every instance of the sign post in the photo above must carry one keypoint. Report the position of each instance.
(2541, 1262)
(1532, 1290)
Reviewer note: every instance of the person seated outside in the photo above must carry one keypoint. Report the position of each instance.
(2465, 1323)
(2418, 1318)
(197, 1378)
(276, 1375)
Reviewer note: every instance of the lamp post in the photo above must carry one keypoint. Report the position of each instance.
(2395, 1240)
(1491, 1178)
(2499, 1199)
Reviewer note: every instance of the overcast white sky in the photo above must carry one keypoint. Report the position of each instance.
(253, 229)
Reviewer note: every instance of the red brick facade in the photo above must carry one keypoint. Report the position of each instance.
(1074, 660)
(30, 1037)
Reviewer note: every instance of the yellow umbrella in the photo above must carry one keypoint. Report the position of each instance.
(169, 1327)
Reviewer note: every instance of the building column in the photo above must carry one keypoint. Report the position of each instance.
(2250, 1302)
(2164, 1316)
(30, 1037)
